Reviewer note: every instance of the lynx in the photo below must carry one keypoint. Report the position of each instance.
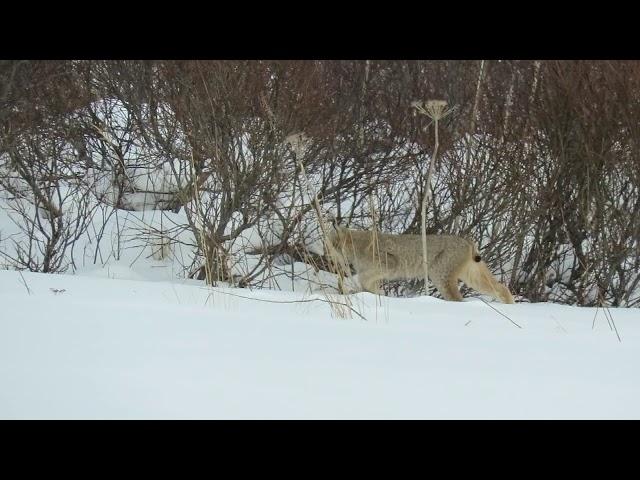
(393, 257)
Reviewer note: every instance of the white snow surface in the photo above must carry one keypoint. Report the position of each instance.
(91, 346)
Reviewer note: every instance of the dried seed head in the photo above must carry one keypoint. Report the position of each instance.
(436, 109)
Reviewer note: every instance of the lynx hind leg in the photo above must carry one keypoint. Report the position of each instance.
(478, 277)
(370, 281)
(379, 265)
(447, 285)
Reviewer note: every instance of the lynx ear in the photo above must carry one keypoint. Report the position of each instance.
(339, 231)
(334, 222)
(335, 227)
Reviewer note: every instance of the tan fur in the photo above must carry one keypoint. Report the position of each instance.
(393, 257)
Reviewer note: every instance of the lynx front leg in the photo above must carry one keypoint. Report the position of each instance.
(482, 280)
(448, 287)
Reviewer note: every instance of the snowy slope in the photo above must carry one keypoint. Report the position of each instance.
(106, 348)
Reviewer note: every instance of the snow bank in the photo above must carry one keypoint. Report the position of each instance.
(91, 347)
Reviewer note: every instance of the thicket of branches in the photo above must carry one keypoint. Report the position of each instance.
(539, 161)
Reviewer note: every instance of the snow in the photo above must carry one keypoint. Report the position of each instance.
(100, 346)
